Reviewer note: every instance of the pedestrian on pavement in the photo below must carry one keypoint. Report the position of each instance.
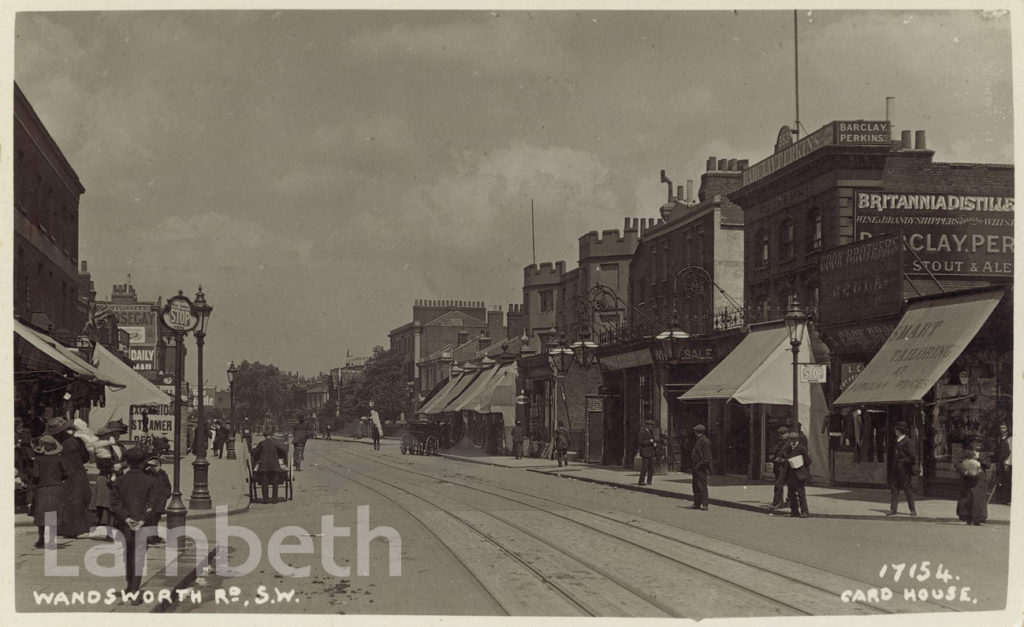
(779, 463)
(111, 463)
(561, 443)
(49, 471)
(798, 472)
(162, 493)
(517, 439)
(796, 427)
(701, 459)
(77, 491)
(901, 470)
(328, 428)
(132, 500)
(648, 443)
(221, 438)
(299, 436)
(375, 434)
(267, 457)
(1004, 466)
(972, 506)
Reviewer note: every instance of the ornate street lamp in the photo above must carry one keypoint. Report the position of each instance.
(200, 498)
(583, 350)
(674, 338)
(561, 358)
(796, 324)
(232, 371)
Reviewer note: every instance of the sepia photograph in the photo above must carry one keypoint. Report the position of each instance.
(460, 315)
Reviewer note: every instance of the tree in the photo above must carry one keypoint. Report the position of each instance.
(350, 404)
(384, 383)
(261, 392)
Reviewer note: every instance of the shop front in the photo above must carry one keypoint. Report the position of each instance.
(945, 370)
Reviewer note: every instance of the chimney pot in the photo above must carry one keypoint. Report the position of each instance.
(919, 142)
(732, 164)
(681, 193)
(711, 163)
(689, 190)
(723, 164)
(906, 140)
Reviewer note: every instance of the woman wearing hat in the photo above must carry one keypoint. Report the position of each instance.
(110, 463)
(972, 506)
(77, 491)
(49, 471)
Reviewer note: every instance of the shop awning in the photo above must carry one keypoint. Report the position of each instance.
(63, 355)
(137, 390)
(926, 342)
(465, 382)
(465, 400)
(498, 396)
(758, 370)
(439, 400)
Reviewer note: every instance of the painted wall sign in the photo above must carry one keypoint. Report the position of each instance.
(861, 280)
(691, 353)
(859, 338)
(846, 133)
(622, 361)
(951, 234)
(142, 357)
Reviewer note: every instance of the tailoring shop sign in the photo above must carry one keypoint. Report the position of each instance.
(950, 234)
(861, 280)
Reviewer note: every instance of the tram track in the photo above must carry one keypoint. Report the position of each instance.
(786, 573)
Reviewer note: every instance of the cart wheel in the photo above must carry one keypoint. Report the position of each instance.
(431, 445)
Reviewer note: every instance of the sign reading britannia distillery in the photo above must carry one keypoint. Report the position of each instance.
(949, 233)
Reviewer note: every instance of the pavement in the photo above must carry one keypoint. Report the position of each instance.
(738, 492)
(228, 488)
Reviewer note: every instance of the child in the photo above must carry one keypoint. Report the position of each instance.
(162, 493)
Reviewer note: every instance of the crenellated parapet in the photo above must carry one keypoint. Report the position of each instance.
(546, 273)
(609, 243)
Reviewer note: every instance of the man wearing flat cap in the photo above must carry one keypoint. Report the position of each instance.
(132, 500)
(901, 470)
(701, 458)
(778, 458)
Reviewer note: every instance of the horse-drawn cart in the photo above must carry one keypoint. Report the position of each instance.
(421, 437)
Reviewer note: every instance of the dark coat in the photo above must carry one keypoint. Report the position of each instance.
(804, 472)
(267, 454)
(517, 433)
(48, 474)
(1002, 452)
(903, 458)
(134, 495)
(162, 491)
(972, 506)
(561, 438)
(701, 454)
(647, 439)
(299, 436)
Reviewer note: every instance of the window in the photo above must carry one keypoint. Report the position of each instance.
(547, 301)
(786, 237)
(763, 237)
(815, 224)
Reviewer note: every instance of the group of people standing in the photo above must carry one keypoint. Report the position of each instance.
(130, 493)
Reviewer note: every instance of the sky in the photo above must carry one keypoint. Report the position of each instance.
(318, 171)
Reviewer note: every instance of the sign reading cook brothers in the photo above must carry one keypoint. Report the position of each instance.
(951, 234)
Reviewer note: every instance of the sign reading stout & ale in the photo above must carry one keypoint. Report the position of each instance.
(178, 314)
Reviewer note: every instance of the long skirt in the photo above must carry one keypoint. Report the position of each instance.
(100, 503)
(77, 494)
(48, 499)
(972, 506)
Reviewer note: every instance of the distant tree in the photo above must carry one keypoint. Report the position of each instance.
(262, 392)
(384, 383)
(351, 404)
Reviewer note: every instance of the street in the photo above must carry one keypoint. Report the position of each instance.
(480, 540)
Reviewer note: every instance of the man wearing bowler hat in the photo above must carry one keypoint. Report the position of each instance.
(701, 457)
(901, 470)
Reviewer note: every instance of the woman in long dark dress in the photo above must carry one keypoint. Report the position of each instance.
(77, 492)
(49, 472)
(972, 506)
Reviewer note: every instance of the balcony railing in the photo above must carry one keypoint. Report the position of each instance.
(701, 324)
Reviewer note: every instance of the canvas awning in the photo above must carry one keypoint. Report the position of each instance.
(442, 396)
(465, 400)
(461, 384)
(925, 343)
(499, 394)
(758, 370)
(137, 390)
(63, 355)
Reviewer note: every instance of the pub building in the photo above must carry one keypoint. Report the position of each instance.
(915, 326)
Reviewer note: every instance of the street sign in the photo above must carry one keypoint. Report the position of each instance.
(813, 373)
(178, 314)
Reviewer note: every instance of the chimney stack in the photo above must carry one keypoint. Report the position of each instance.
(890, 112)
(689, 190)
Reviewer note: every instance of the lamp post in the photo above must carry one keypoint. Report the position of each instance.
(796, 323)
(561, 357)
(674, 337)
(179, 316)
(200, 498)
(231, 387)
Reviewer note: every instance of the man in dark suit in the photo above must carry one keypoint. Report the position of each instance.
(779, 463)
(299, 436)
(132, 500)
(1004, 466)
(901, 470)
(517, 439)
(268, 455)
(798, 471)
(701, 458)
(647, 441)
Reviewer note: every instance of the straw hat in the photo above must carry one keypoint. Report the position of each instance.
(48, 446)
(57, 425)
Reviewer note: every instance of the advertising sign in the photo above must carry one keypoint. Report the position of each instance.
(178, 314)
(950, 233)
(694, 351)
(861, 280)
(844, 133)
(813, 373)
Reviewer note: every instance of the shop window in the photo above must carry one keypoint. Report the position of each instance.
(815, 228)
(786, 237)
